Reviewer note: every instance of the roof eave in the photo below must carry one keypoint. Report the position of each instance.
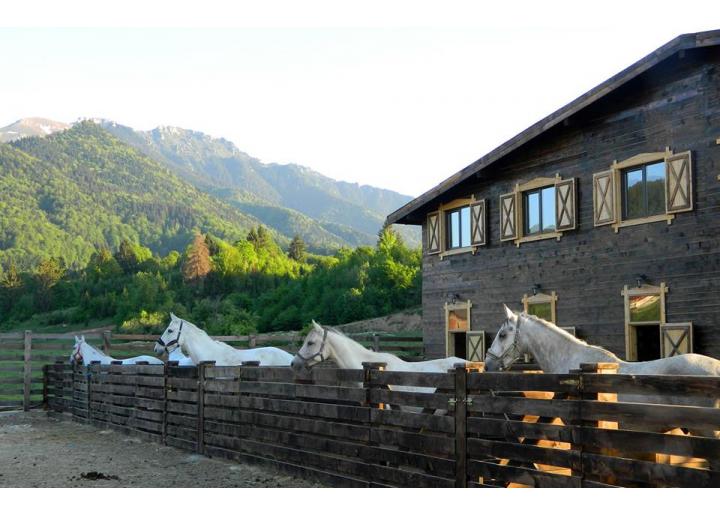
(682, 42)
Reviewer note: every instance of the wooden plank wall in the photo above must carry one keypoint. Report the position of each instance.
(373, 427)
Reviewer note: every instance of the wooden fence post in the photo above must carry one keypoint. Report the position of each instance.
(45, 369)
(376, 342)
(202, 366)
(107, 335)
(369, 384)
(27, 377)
(166, 388)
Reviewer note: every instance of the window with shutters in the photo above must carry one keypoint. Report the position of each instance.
(644, 319)
(646, 188)
(457, 227)
(542, 208)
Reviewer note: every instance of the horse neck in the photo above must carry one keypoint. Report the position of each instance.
(200, 346)
(91, 354)
(556, 351)
(350, 354)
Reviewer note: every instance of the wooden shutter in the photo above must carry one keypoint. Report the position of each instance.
(565, 212)
(678, 183)
(604, 198)
(475, 345)
(676, 339)
(433, 233)
(508, 217)
(478, 232)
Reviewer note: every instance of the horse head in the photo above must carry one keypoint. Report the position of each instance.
(314, 349)
(170, 339)
(77, 355)
(505, 348)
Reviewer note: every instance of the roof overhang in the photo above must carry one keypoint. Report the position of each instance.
(407, 214)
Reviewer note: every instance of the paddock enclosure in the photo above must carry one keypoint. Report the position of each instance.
(23, 354)
(355, 428)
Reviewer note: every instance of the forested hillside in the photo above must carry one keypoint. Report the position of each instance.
(250, 285)
(66, 194)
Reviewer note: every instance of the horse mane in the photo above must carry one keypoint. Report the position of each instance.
(358, 345)
(567, 335)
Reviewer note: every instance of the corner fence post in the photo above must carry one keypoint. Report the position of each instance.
(202, 367)
(27, 377)
(376, 342)
(460, 403)
(45, 369)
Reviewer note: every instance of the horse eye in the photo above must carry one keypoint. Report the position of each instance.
(170, 331)
(310, 343)
(502, 335)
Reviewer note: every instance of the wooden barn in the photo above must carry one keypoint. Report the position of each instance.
(604, 218)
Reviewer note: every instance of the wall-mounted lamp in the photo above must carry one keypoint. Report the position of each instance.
(640, 280)
(535, 289)
(453, 297)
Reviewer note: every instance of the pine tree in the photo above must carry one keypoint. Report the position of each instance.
(49, 272)
(197, 264)
(11, 280)
(126, 256)
(297, 249)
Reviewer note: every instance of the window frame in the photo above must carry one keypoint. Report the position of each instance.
(624, 191)
(631, 349)
(448, 232)
(526, 210)
(534, 184)
(541, 298)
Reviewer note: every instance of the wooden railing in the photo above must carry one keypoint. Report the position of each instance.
(22, 354)
(355, 428)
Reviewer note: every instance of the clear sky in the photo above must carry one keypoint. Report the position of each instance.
(392, 105)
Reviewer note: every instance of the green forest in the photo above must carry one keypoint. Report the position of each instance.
(245, 286)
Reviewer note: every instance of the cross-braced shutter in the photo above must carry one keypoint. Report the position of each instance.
(478, 234)
(565, 218)
(676, 338)
(433, 233)
(678, 183)
(508, 220)
(475, 341)
(604, 198)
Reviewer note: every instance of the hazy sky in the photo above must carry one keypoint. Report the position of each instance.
(401, 108)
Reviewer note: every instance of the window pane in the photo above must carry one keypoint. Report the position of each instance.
(655, 187)
(465, 226)
(541, 310)
(454, 229)
(532, 214)
(548, 209)
(634, 200)
(645, 308)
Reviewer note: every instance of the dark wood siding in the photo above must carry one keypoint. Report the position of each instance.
(676, 104)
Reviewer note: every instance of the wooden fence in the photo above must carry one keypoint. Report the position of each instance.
(23, 354)
(364, 428)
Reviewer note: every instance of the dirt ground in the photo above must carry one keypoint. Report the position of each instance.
(41, 451)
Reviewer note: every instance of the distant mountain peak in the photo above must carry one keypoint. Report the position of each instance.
(29, 127)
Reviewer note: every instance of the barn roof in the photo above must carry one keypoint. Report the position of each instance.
(408, 214)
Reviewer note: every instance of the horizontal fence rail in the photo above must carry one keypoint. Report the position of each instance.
(23, 354)
(372, 427)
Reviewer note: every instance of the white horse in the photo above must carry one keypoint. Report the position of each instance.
(322, 344)
(83, 353)
(199, 346)
(558, 351)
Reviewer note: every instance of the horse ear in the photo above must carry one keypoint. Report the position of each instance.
(173, 317)
(316, 326)
(509, 313)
